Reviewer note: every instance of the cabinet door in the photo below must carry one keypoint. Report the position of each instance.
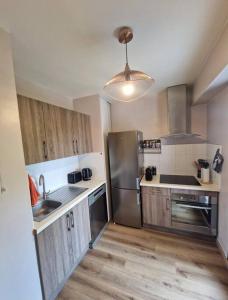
(54, 131)
(32, 130)
(88, 134)
(67, 121)
(84, 133)
(156, 206)
(55, 255)
(81, 234)
(76, 134)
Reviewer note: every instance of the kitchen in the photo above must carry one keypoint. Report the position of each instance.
(126, 197)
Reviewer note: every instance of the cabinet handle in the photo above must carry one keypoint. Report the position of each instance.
(138, 198)
(68, 222)
(77, 146)
(2, 188)
(74, 148)
(45, 149)
(72, 219)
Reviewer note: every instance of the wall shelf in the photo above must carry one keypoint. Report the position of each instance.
(152, 146)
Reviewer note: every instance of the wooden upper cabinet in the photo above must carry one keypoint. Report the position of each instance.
(54, 131)
(76, 133)
(67, 123)
(50, 132)
(32, 129)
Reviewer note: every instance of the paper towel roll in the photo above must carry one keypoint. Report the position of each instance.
(205, 175)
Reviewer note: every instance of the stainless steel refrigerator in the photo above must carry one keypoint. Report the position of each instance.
(126, 170)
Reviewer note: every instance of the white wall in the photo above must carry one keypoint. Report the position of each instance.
(18, 264)
(217, 134)
(199, 119)
(213, 66)
(42, 93)
(149, 115)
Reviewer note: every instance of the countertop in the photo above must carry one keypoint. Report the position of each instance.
(210, 187)
(91, 186)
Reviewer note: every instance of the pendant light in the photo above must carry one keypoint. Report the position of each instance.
(128, 85)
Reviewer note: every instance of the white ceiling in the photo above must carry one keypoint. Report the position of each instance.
(68, 46)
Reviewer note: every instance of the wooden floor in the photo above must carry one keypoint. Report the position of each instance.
(139, 264)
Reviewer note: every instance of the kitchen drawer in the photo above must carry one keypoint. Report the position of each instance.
(156, 191)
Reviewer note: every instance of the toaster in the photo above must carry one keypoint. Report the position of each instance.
(74, 177)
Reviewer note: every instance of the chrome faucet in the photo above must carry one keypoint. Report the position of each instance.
(42, 182)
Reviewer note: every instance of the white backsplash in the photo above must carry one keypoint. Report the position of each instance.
(174, 159)
(177, 159)
(54, 171)
(94, 161)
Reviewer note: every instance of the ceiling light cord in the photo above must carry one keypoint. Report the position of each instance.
(126, 53)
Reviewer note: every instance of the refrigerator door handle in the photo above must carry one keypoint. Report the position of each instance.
(138, 198)
(137, 183)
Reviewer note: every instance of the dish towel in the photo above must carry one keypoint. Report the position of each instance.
(33, 191)
(218, 162)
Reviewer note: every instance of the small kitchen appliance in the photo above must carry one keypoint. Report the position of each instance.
(194, 212)
(86, 174)
(74, 177)
(149, 174)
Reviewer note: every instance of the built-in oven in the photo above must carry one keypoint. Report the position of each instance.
(195, 213)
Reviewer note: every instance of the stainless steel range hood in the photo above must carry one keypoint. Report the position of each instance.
(179, 117)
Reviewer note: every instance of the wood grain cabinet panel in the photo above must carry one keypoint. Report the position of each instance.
(81, 234)
(156, 206)
(32, 129)
(50, 132)
(67, 123)
(61, 246)
(54, 131)
(84, 133)
(55, 256)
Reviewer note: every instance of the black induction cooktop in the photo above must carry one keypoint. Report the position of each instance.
(179, 179)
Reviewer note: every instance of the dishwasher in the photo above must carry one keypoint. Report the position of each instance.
(98, 213)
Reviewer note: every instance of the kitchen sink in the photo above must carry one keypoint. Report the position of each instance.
(44, 208)
(54, 200)
(66, 193)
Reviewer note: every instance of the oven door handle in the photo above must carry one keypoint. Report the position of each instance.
(193, 206)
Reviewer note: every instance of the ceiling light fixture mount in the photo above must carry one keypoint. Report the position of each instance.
(130, 84)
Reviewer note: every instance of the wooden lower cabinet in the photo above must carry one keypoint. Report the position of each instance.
(81, 234)
(61, 246)
(156, 205)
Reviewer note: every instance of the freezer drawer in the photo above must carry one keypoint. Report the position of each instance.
(126, 206)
